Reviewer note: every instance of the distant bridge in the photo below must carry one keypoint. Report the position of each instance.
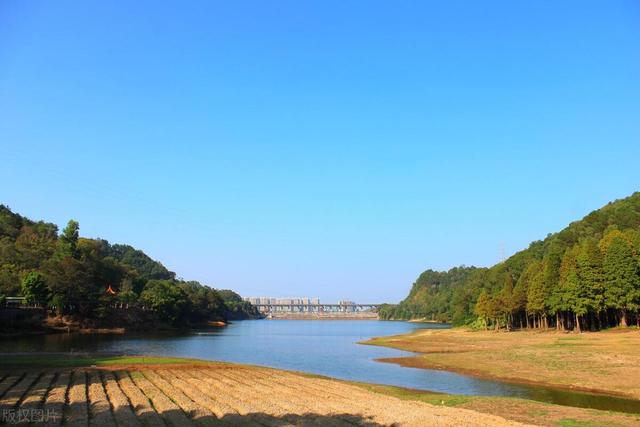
(317, 308)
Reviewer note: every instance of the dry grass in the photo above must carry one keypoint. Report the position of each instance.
(122, 409)
(139, 403)
(218, 395)
(604, 361)
(14, 395)
(99, 406)
(76, 410)
(55, 399)
(35, 398)
(171, 412)
(196, 412)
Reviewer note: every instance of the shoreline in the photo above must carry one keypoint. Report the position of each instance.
(416, 362)
(408, 362)
(525, 358)
(258, 388)
(74, 329)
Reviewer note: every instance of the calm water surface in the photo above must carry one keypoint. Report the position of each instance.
(321, 347)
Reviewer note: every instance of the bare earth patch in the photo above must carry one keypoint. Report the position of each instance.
(214, 395)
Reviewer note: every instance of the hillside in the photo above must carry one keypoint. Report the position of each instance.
(585, 276)
(98, 284)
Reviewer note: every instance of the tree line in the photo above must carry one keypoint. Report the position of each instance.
(586, 276)
(90, 279)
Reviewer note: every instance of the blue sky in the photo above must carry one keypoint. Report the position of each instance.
(319, 148)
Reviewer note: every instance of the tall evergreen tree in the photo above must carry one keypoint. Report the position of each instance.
(559, 300)
(621, 275)
(520, 301)
(68, 241)
(551, 277)
(522, 288)
(589, 264)
(506, 301)
(576, 294)
(482, 308)
(537, 294)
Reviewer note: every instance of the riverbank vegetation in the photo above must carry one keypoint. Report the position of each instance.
(97, 284)
(586, 276)
(606, 362)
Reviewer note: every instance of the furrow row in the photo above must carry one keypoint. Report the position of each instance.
(308, 403)
(55, 400)
(208, 397)
(198, 412)
(141, 405)
(99, 406)
(122, 409)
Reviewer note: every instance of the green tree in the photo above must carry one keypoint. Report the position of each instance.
(127, 294)
(165, 298)
(521, 290)
(621, 275)
(205, 303)
(506, 301)
(9, 280)
(609, 236)
(68, 241)
(551, 265)
(8, 253)
(537, 294)
(72, 286)
(495, 311)
(632, 236)
(482, 308)
(147, 268)
(237, 307)
(575, 294)
(34, 288)
(35, 244)
(589, 264)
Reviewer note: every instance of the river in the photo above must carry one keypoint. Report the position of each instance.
(321, 347)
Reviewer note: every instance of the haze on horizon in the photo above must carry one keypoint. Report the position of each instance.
(322, 149)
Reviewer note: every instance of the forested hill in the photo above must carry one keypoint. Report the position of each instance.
(585, 276)
(88, 279)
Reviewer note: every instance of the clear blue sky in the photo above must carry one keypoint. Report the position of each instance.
(320, 148)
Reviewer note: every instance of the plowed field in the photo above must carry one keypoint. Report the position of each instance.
(213, 395)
